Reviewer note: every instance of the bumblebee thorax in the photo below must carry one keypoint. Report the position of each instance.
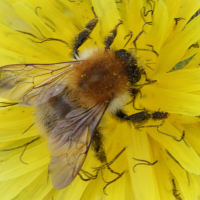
(99, 78)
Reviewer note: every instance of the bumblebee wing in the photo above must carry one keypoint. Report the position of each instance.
(33, 84)
(69, 143)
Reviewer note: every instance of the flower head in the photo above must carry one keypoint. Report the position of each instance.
(156, 157)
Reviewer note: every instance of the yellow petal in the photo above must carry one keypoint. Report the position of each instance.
(155, 98)
(143, 177)
(174, 51)
(38, 189)
(179, 150)
(181, 80)
(21, 120)
(109, 18)
(187, 183)
(11, 188)
(36, 157)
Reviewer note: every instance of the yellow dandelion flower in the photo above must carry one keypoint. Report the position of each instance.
(145, 146)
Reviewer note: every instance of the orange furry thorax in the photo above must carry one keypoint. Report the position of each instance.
(98, 79)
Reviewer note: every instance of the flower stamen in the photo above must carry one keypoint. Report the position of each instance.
(101, 168)
(175, 191)
(25, 146)
(131, 35)
(145, 162)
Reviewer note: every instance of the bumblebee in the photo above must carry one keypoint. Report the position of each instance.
(70, 98)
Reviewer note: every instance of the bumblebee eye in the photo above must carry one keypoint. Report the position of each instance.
(123, 54)
(134, 74)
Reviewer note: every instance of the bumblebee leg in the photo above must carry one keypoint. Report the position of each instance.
(141, 117)
(138, 118)
(98, 147)
(85, 33)
(110, 38)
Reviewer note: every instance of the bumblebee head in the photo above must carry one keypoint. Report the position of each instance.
(134, 73)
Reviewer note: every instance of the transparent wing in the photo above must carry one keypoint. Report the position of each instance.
(69, 143)
(33, 84)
